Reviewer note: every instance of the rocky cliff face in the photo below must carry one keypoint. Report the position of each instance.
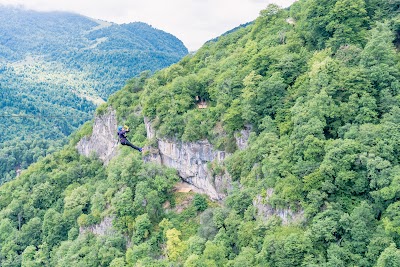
(101, 229)
(242, 137)
(103, 141)
(194, 162)
(265, 211)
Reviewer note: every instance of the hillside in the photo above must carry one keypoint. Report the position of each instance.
(56, 67)
(315, 182)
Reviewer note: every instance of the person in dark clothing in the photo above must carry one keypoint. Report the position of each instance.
(122, 130)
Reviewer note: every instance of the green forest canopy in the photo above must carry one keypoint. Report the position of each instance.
(322, 99)
(56, 67)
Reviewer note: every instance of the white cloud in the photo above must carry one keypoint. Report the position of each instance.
(192, 21)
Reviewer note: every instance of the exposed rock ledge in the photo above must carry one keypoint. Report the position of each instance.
(193, 161)
(103, 141)
(104, 227)
(265, 211)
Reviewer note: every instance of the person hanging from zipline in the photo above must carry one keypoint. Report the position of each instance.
(122, 130)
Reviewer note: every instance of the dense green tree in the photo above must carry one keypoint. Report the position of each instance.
(141, 229)
(208, 227)
(316, 18)
(216, 253)
(379, 58)
(247, 257)
(348, 23)
(389, 257)
(200, 202)
(281, 250)
(28, 257)
(174, 244)
(118, 262)
(31, 233)
(53, 228)
(137, 252)
(195, 245)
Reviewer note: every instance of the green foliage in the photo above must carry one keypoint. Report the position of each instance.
(348, 23)
(285, 247)
(215, 253)
(137, 252)
(57, 67)
(101, 110)
(316, 183)
(141, 229)
(16, 155)
(239, 200)
(174, 245)
(389, 257)
(200, 202)
(208, 228)
(53, 228)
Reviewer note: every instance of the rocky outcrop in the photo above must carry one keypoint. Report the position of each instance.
(103, 141)
(196, 162)
(101, 229)
(193, 161)
(291, 21)
(242, 137)
(265, 211)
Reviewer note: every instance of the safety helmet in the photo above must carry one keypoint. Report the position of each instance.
(119, 128)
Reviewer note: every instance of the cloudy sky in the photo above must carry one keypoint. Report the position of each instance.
(192, 21)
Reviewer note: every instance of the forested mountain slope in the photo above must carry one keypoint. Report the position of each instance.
(56, 67)
(317, 84)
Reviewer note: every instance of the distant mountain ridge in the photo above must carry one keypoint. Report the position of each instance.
(70, 30)
(77, 41)
(56, 67)
(294, 119)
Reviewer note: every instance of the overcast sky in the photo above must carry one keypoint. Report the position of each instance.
(192, 21)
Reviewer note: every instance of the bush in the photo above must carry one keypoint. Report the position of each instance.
(200, 202)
